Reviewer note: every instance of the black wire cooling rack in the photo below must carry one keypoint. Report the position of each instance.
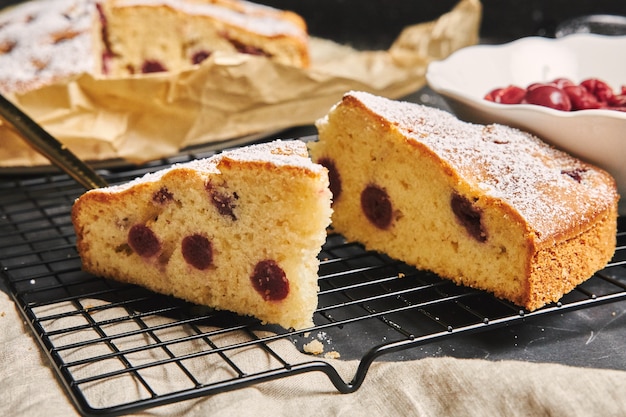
(70, 311)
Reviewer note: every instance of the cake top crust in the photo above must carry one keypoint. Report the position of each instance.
(550, 189)
(44, 40)
(280, 153)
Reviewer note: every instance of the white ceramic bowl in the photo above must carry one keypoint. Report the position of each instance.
(597, 136)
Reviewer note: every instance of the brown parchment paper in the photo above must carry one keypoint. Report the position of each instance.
(146, 117)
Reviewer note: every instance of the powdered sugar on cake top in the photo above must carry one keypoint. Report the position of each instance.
(287, 153)
(546, 186)
(279, 152)
(44, 40)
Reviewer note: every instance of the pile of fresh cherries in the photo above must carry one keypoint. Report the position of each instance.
(563, 94)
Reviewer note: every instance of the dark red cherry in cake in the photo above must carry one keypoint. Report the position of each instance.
(162, 196)
(333, 177)
(224, 202)
(197, 251)
(575, 173)
(143, 241)
(199, 56)
(469, 216)
(246, 49)
(152, 65)
(376, 206)
(269, 280)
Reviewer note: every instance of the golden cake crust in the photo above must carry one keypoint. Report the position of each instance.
(487, 206)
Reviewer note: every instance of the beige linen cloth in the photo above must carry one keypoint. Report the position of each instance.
(427, 387)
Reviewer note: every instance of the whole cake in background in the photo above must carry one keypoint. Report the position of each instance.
(489, 207)
(47, 41)
(240, 231)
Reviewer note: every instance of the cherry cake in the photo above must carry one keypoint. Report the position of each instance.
(240, 231)
(489, 207)
(49, 41)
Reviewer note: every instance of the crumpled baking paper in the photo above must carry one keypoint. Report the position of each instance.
(146, 117)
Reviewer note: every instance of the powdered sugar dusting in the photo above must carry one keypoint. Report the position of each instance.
(291, 153)
(547, 187)
(44, 40)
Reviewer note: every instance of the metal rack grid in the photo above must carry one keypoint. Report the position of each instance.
(85, 323)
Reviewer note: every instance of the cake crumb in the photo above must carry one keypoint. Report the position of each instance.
(314, 347)
(332, 355)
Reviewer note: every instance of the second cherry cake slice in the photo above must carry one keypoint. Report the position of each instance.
(489, 207)
(240, 231)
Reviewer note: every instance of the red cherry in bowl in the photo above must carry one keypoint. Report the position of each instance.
(548, 95)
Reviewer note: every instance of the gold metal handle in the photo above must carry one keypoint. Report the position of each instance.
(49, 146)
